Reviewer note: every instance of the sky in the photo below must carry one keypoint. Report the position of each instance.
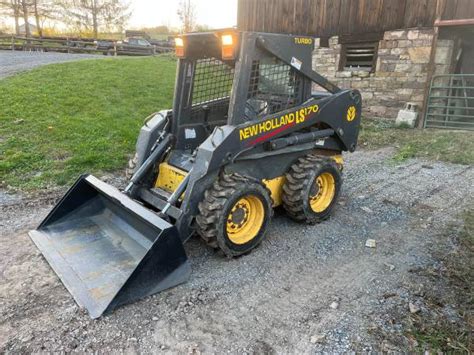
(214, 13)
(151, 13)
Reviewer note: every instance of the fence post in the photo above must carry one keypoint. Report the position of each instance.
(115, 48)
(13, 43)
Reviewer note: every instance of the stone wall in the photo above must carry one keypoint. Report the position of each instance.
(400, 74)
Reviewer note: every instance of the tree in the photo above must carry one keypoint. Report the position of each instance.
(16, 9)
(24, 7)
(12, 8)
(43, 10)
(202, 28)
(187, 15)
(162, 29)
(95, 15)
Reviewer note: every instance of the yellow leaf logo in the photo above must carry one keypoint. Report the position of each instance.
(351, 113)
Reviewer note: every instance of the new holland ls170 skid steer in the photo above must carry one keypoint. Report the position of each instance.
(245, 135)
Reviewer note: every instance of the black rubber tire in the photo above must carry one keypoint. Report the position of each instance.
(215, 208)
(131, 167)
(297, 188)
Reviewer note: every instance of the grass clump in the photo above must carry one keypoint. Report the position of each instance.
(439, 330)
(432, 144)
(61, 120)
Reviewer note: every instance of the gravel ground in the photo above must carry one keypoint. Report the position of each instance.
(18, 61)
(306, 289)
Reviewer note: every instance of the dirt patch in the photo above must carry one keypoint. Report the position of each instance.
(305, 289)
(443, 293)
(12, 62)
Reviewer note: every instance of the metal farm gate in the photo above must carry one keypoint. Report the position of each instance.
(451, 102)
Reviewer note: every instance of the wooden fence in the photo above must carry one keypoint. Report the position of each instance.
(77, 45)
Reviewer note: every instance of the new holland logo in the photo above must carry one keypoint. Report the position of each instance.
(277, 124)
(351, 113)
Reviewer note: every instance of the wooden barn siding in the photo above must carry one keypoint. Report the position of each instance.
(458, 9)
(325, 18)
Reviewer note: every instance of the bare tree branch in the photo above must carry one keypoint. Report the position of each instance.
(187, 15)
(94, 15)
(12, 8)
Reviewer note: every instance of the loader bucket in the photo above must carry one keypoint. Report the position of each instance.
(107, 249)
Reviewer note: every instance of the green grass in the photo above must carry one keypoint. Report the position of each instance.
(431, 144)
(62, 120)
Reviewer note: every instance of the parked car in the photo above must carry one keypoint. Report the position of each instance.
(106, 46)
(130, 46)
(163, 44)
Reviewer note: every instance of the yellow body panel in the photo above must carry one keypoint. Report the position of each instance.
(169, 177)
(338, 159)
(275, 185)
(276, 188)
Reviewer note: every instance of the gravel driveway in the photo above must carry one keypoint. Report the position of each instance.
(306, 289)
(12, 62)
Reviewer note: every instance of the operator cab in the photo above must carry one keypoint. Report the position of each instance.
(205, 84)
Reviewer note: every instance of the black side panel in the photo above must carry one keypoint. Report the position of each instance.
(267, 167)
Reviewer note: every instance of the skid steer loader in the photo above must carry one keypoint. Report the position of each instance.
(246, 134)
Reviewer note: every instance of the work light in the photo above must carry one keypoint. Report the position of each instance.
(228, 48)
(179, 44)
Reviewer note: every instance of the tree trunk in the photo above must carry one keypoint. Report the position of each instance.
(37, 18)
(16, 14)
(94, 18)
(25, 17)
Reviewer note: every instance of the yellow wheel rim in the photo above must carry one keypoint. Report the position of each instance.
(245, 219)
(322, 193)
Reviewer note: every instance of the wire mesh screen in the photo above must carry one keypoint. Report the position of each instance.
(212, 80)
(274, 86)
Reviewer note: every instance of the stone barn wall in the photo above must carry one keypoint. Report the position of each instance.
(400, 74)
